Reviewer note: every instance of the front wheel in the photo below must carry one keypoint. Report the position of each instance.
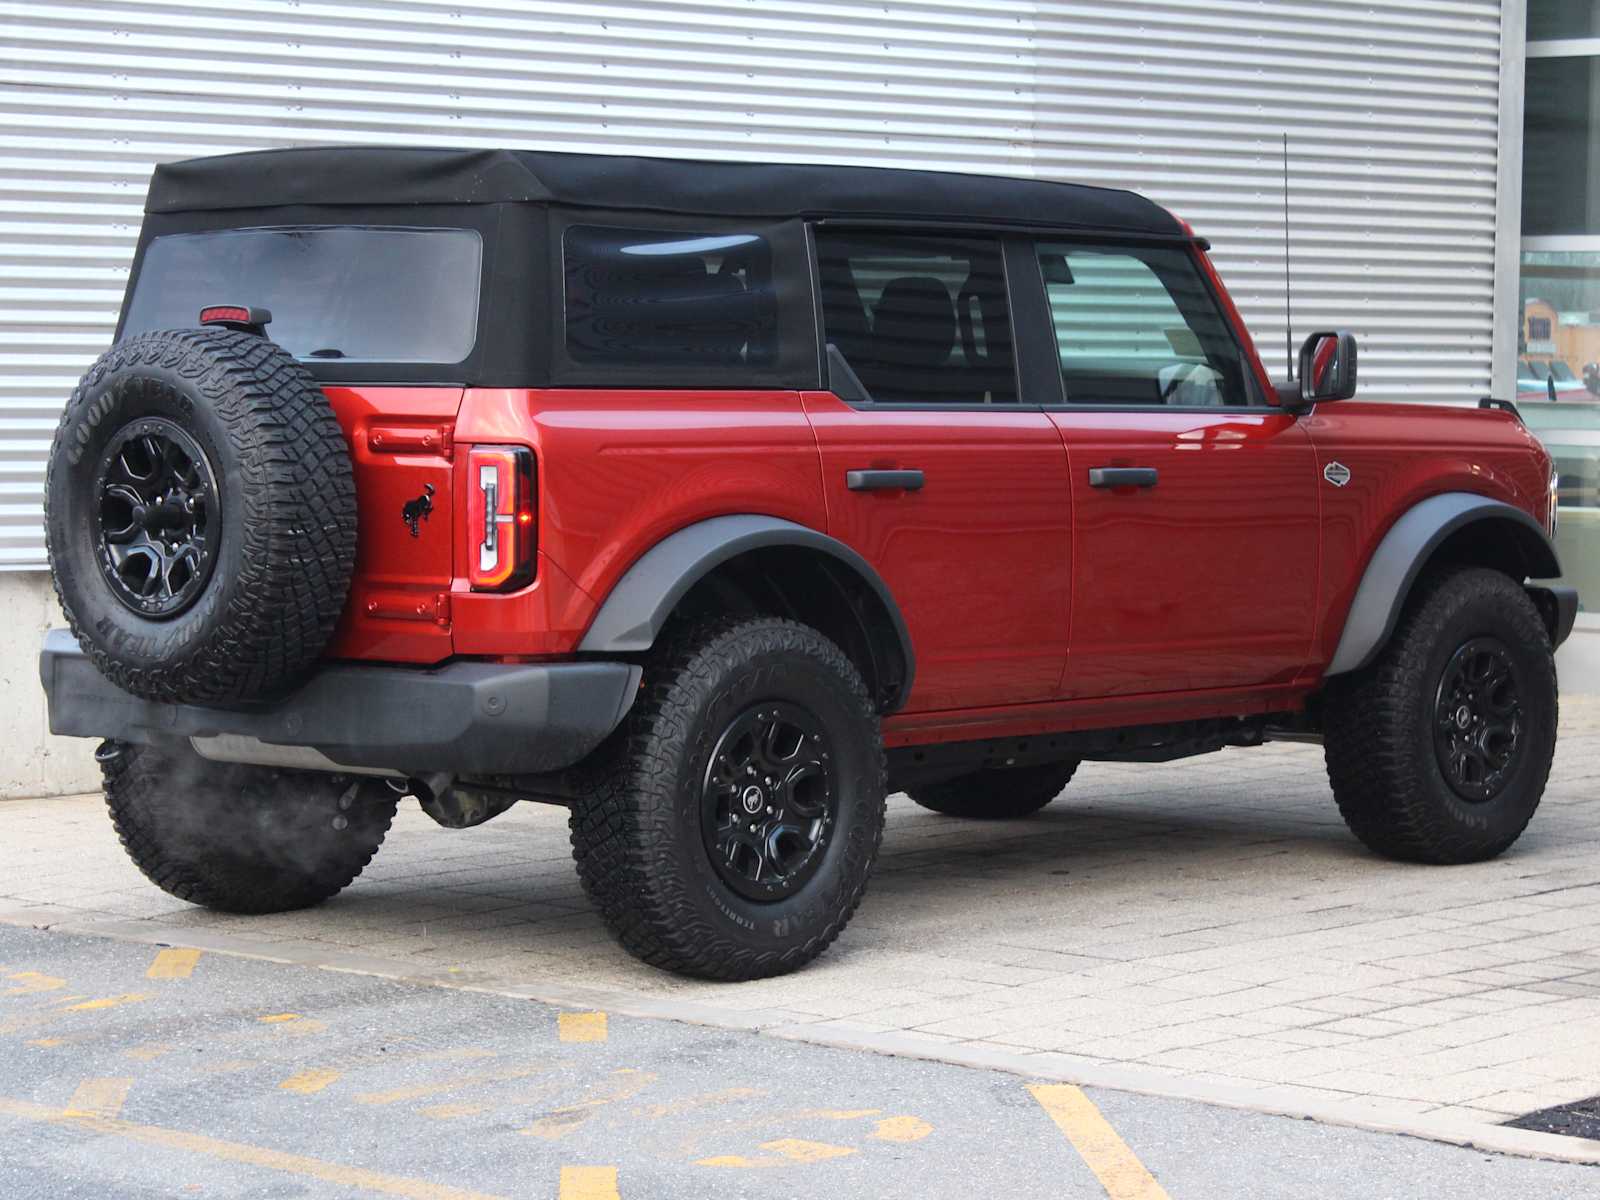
(727, 830)
(1439, 751)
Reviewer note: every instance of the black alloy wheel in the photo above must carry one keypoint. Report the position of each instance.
(767, 801)
(158, 519)
(1477, 727)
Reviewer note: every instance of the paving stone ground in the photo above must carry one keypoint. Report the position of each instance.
(1209, 921)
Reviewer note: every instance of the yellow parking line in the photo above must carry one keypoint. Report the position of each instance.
(582, 1026)
(107, 1002)
(314, 1079)
(239, 1152)
(32, 981)
(99, 1098)
(1116, 1167)
(589, 1183)
(175, 962)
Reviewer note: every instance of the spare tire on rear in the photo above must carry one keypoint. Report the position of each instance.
(200, 513)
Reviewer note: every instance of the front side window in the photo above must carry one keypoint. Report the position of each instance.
(336, 292)
(1137, 326)
(919, 320)
(659, 298)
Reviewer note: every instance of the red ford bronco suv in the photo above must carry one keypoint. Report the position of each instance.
(714, 501)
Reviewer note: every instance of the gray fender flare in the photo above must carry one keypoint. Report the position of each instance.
(1400, 557)
(639, 604)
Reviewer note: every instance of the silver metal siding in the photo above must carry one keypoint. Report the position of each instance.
(1391, 109)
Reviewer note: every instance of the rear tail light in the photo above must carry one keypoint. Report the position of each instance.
(500, 517)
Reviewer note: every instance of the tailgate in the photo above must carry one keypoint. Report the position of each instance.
(400, 444)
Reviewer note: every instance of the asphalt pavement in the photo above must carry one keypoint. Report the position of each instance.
(131, 1071)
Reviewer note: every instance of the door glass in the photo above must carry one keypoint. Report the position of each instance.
(919, 320)
(1137, 326)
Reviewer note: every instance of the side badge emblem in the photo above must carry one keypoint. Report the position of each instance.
(1336, 473)
(418, 510)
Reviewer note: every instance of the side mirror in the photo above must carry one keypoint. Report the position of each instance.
(1327, 367)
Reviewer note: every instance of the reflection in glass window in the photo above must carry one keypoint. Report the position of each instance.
(1137, 325)
(650, 297)
(1562, 19)
(336, 292)
(1558, 394)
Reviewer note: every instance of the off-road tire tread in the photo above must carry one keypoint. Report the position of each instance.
(1376, 770)
(298, 486)
(636, 890)
(140, 777)
(992, 794)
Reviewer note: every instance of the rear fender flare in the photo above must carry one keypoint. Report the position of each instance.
(638, 606)
(1401, 556)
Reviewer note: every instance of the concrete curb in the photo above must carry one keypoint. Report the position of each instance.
(1375, 1115)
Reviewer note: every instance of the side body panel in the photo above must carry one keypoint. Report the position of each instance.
(1397, 456)
(978, 558)
(1207, 579)
(618, 471)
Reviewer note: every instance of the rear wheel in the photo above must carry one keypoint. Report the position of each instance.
(242, 839)
(997, 793)
(727, 830)
(1439, 750)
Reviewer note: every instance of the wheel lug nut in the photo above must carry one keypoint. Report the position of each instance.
(341, 823)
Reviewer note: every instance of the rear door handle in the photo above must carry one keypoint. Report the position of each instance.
(1115, 477)
(878, 481)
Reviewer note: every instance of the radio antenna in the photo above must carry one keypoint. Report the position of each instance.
(1288, 296)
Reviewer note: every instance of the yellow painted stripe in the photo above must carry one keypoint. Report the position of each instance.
(175, 962)
(240, 1152)
(99, 1097)
(107, 1002)
(32, 981)
(1116, 1167)
(589, 1183)
(901, 1129)
(311, 1080)
(278, 1018)
(582, 1027)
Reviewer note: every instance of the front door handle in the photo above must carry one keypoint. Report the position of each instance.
(1115, 477)
(879, 481)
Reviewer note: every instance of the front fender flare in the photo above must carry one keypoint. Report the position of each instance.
(632, 616)
(1402, 554)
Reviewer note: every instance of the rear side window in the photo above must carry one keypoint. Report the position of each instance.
(919, 320)
(1138, 326)
(336, 292)
(655, 298)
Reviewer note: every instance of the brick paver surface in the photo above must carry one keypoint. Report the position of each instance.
(1210, 918)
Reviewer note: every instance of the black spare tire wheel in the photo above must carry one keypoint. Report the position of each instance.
(200, 513)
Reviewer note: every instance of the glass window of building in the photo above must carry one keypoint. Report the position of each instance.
(1558, 335)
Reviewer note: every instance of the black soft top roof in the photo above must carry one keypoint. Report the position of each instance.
(400, 175)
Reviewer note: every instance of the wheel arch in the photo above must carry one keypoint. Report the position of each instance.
(767, 564)
(1452, 527)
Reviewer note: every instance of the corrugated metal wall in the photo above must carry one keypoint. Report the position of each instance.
(1391, 107)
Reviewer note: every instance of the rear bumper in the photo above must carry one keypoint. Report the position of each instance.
(466, 717)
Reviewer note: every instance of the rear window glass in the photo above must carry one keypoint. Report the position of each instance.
(336, 293)
(642, 297)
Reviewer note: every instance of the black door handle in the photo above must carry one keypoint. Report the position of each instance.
(877, 481)
(1115, 477)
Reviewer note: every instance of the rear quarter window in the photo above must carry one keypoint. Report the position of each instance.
(703, 301)
(337, 293)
